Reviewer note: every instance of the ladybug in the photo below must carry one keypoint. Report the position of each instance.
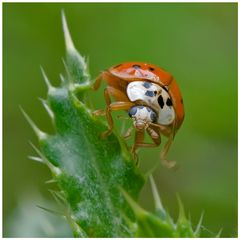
(152, 98)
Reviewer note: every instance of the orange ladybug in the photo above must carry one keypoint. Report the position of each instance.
(152, 98)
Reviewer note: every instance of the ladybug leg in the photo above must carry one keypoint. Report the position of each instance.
(99, 112)
(128, 133)
(111, 91)
(96, 85)
(153, 134)
(120, 105)
(103, 76)
(160, 127)
(164, 152)
(97, 82)
(166, 147)
(139, 137)
(115, 107)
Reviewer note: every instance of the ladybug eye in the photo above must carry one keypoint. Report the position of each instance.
(132, 111)
(136, 66)
(155, 93)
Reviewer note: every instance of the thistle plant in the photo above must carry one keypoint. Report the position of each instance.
(98, 181)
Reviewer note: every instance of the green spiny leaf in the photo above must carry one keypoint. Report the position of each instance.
(88, 169)
(92, 168)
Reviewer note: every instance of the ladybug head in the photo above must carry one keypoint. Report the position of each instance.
(142, 116)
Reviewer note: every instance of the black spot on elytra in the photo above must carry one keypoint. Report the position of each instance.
(160, 101)
(153, 116)
(149, 93)
(181, 101)
(151, 68)
(136, 66)
(165, 88)
(147, 84)
(132, 111)
(169, 102)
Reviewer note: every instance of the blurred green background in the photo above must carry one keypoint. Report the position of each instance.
(197, 42)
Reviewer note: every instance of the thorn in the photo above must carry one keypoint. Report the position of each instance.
(56, 193)
(198, 228)
(157, 200)
(210, 232)
(63, 80)
(219, 233)
(60, 195)
(77, 230)
(170, 220)
(55, 196)
(67, 71)
(182, 215)
(135, 207)
(130, 225)
(54, 169)
(50, 181)
(127, 219)
(36, 159)
(50, 211)
(67, 36)
(47, 107)
(40, 134)
(67, 213)
(49, 86)
(59, 198)
(72, 53)
(38, 152)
